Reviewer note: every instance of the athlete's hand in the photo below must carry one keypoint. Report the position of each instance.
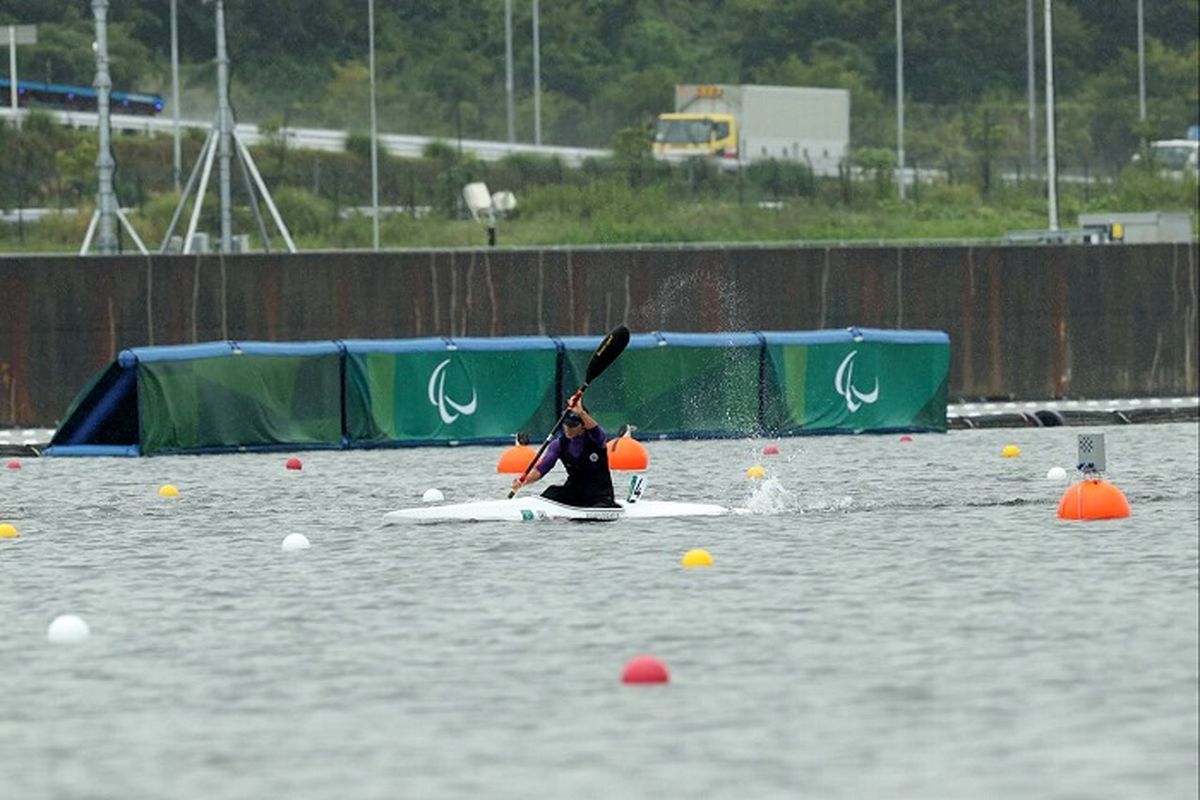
(517, 483)
(573, 403)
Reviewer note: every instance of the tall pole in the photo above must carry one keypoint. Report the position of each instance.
(1030, 81)
(224, 133)
(1141, 25)
(1051, 173)
(105, 198)
(900, 97)
(177, 168)
(374, 131)
(508, 70)
(12, 71)
(537, 78)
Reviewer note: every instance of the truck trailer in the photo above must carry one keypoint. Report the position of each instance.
(739, 125)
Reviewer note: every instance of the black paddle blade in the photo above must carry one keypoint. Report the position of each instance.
(607, 352)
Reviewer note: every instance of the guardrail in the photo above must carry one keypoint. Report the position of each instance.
(402, 145)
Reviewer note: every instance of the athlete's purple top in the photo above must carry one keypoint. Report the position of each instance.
(575, 447)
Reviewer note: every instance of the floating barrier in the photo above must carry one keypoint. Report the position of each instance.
(515, 459)
(68, 629)
(627, 453)
(262, 396)
(645, 669)
(1092, 498)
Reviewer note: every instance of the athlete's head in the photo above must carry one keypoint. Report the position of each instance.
(572, 424)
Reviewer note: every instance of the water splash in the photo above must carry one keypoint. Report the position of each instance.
(769, 496)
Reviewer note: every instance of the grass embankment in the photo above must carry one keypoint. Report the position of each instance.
(605, 203)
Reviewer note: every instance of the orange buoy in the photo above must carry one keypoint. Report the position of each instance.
(627, 453)
(515, 459)
(1093, 499)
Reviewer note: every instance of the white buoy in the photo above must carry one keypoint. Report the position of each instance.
(1056, 474)
(295, 541)
(433, 496)
(68, 629)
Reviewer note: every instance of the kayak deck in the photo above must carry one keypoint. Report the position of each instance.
(530, 509)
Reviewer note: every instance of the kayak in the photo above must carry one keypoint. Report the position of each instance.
(533, 508)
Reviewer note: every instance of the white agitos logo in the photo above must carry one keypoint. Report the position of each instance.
(437, 396)
(843, 381)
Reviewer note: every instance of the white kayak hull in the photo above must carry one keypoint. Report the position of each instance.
(529, 509)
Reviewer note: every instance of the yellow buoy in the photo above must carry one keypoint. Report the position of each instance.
(697, 558)
(1010, 451)
(168, 490)
(8, 531)
(756, 473)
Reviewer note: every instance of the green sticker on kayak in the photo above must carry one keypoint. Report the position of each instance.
(526, 514)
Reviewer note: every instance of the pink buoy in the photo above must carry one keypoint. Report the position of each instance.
(906, 438)
(294, 463)
(770, 450)
(14, 464)
(645, 669)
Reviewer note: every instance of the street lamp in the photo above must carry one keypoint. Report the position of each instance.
(537, 78)
(900, 97)
(1051, 173)
(374, 131)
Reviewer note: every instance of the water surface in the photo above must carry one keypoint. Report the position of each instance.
(899, 620)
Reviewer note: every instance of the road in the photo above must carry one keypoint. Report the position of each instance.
(400, 145)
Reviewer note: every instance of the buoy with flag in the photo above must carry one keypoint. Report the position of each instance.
(1093, 497)
(515, 459)
(625, 452)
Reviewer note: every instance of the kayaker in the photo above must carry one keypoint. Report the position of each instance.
(580, 446)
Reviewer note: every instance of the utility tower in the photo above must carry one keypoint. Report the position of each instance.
(223, 145)
(108, 211)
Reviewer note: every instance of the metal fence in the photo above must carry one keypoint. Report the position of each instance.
(1024, 321)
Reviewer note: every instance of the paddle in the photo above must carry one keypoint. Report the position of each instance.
(605, 354)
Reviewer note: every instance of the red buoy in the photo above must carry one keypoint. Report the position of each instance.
(515, 459)
(770, 450)
(1093, 499)
(645, 669)
(906, 438)
(14, 464)
(294, 463)
(627, 453)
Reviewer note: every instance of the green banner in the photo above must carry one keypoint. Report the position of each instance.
(449, 395)
(240, 401)
(856, 386)
(671, 390)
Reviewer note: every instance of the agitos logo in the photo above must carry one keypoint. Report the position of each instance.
(438, 398)
(843, 381)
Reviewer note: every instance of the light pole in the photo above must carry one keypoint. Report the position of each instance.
(1051, 173)
(224, 134)
(177, 167)
(1029, 85)
(1141, 25)
(106, 243)
(508, 70)
(374, 130)
(900, 97)
(537, 78)
(16, 34)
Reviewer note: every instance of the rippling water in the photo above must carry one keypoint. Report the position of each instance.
(896, 620)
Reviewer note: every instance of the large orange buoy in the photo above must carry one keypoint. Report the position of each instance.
(627, 453)
(515, 459)
(1093, 499)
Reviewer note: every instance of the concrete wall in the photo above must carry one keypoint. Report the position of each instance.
(1024, 322)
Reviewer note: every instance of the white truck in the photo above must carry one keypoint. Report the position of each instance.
(741, 124)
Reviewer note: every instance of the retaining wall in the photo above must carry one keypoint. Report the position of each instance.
(1024, 322)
